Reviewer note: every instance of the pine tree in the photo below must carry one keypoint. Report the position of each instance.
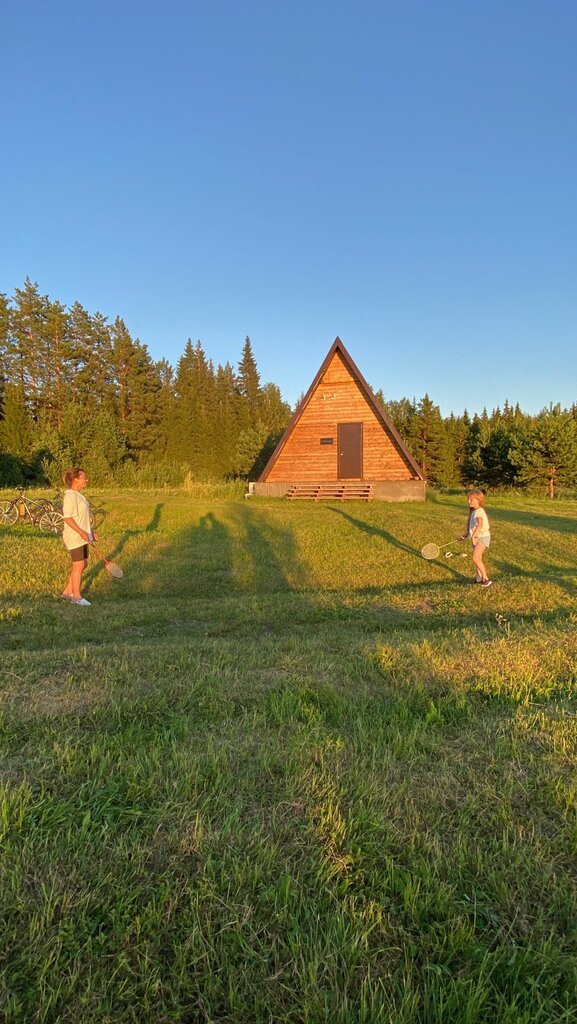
(202, 414)
(61, 362)
(4, 330)
(456, 429)
(248, 376)
(248, 387)
(226, 421)
(137, 386)
(274, 412)
(94, 442)
(178, 445)
(51, 451)
(165, 375)
(91, 369)
(192, 421)
(16, 426)
(263, 416)
(4, 333)
(496, 467)
(258, 440)
(254, 446)
(426, 437)
(401, 413)
(28, 350)
(547, 451)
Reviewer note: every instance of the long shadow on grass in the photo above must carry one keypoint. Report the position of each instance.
(234, 576)
(534, 520)
(272, 551)
(377, 531)
(564, 577)
(112, 555)
(172, 585)
(197, 563)
(277, 570)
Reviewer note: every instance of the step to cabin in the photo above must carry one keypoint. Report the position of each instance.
(330, 492)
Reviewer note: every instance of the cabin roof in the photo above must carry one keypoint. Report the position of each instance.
(337, 346)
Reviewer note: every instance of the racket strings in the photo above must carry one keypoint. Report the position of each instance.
(430, 551)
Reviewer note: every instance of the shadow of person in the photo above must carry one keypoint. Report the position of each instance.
(564, 577)
(377, 531)
(151, 527)
(523, 517)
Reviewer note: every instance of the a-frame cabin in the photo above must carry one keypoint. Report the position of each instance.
(341, 444)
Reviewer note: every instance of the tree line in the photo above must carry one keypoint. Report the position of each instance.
(507, 448)
(76, 389)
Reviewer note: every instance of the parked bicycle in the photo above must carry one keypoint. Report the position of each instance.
(38, 511)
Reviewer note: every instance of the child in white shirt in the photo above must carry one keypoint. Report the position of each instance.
(77, 533)
(479, 531)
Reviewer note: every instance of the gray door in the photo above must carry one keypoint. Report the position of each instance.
(350, 444)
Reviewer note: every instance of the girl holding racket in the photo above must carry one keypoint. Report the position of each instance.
(77, 533)
(479, 531)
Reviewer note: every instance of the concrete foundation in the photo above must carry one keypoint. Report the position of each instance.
(382, 490)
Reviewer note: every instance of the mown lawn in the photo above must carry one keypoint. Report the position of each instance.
(288, 771)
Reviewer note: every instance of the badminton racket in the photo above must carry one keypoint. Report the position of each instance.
(431, 551)
(111, 567)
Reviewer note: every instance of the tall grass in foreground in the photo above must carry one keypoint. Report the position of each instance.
(288, 771)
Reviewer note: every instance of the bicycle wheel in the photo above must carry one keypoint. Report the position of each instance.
(8, 513)
(38, 511)
(51, 522)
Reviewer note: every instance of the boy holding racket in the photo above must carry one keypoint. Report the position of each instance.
(479, 531)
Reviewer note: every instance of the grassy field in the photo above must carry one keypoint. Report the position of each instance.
(288, 771)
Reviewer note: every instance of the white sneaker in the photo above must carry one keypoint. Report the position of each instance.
(82, 601)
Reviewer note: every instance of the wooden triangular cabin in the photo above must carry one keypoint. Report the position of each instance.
(341, 444)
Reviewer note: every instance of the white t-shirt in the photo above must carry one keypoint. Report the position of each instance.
(76, 507)
(479, 518)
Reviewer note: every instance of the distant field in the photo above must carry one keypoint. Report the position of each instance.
(288, 771)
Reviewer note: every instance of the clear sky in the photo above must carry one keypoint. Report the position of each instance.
(402, 173)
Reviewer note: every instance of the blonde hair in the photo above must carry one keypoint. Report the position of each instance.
(72, 474)
(479, 495)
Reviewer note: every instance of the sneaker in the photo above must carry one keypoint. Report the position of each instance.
(486, 583)
(82, 601)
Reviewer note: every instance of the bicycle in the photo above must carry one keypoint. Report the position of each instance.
(39, 511)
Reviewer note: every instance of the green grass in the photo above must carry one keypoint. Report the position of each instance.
(288, 771)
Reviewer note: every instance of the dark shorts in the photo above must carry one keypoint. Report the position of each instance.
(79, 554)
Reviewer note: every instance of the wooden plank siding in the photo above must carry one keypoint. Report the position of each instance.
(339, 396)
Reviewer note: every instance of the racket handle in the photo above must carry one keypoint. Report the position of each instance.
(98, 552)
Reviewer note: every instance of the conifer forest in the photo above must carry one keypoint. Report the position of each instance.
(77, 389)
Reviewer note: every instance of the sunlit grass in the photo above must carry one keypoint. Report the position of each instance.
(286, 770)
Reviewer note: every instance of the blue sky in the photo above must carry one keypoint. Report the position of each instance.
(402, 174)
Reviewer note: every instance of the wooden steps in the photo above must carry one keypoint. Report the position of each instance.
(330, 492)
